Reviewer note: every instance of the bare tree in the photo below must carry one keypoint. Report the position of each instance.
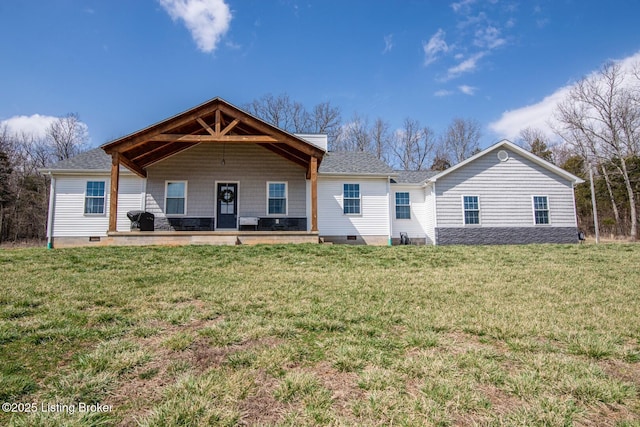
(462, 138)
(413, 145)
(534, 140)
(67, 136)
(441, 157)
(354, 136)
(601, 118)
(325, 119)
(292, 116)
(380, 139)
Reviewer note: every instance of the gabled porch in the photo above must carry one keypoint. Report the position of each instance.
(217, 169)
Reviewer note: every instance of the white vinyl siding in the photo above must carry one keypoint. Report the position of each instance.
(247, 164)
(374, 217)
(505, 191)
(69, 219)
(421, 219)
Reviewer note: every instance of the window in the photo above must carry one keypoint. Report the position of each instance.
(351, 199)
(403, 206)
(471, 210)
(176, 199)
(276, 198)
(540, 209)
(94, 198)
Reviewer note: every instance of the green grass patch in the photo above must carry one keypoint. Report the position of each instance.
(323, 335)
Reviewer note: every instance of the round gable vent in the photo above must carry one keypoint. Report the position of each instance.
(503, 156)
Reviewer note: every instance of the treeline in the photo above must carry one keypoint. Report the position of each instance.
(414, 146)
(24, 191)
(599, 122)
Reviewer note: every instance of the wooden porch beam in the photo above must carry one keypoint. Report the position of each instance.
(167, 137)
(133, 167)
(313, 169)
(167, 126)
(287, 155)
(206, 126)
(218, 122)
(262, 127)
(113, 197)
(230, 126)
(166, 151)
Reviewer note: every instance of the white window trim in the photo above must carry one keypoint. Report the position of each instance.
(186, 193)
(395, 200)
(104, 199)
(352, 198)
(533, 208)
(286, 199)
(464, 223)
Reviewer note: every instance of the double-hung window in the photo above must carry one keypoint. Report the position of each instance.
(94, 198)
(471, 210)
(403, 205)
(541, 210)
(176, 198)
(351, 199)
(277, 198)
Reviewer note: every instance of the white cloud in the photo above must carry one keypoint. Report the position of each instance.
(35, 125)
(467, 90)
(489, 38)
(207, 20)
(388, 43)
(442, 92)
(462, 6)
(434, 46)
(540, 114)
(466, 66)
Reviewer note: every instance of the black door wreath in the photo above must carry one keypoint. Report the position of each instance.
(226, 196)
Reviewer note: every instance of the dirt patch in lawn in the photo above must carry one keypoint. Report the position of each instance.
(145, 385)
(261, 407)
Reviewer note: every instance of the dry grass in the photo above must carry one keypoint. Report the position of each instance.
(324, 335)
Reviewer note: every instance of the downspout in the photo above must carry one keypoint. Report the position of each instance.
(389, 211)
(52, 196)
(435, 215)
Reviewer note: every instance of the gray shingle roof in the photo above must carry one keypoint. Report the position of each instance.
(414, 177)
(353, 163)
(337, 163)
(95, 159)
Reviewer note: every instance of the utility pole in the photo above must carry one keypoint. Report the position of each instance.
(593, 204)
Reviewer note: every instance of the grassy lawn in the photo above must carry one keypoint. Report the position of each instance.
(323, 335)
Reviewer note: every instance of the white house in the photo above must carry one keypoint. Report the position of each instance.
(214, 174)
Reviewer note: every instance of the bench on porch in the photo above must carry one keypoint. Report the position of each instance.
(192, 223)
(282, 224)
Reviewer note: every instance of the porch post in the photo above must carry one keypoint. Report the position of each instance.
(113, 198)
(314, 193)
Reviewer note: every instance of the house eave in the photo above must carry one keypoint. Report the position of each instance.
(82, 172)
(355, 175)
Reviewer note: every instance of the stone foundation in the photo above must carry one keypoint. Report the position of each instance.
(505, 235)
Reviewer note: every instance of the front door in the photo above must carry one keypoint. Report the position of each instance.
(227, 200)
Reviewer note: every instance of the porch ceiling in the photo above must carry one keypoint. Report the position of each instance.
(215, 121)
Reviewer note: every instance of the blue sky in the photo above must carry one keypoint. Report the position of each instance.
(122, 65)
